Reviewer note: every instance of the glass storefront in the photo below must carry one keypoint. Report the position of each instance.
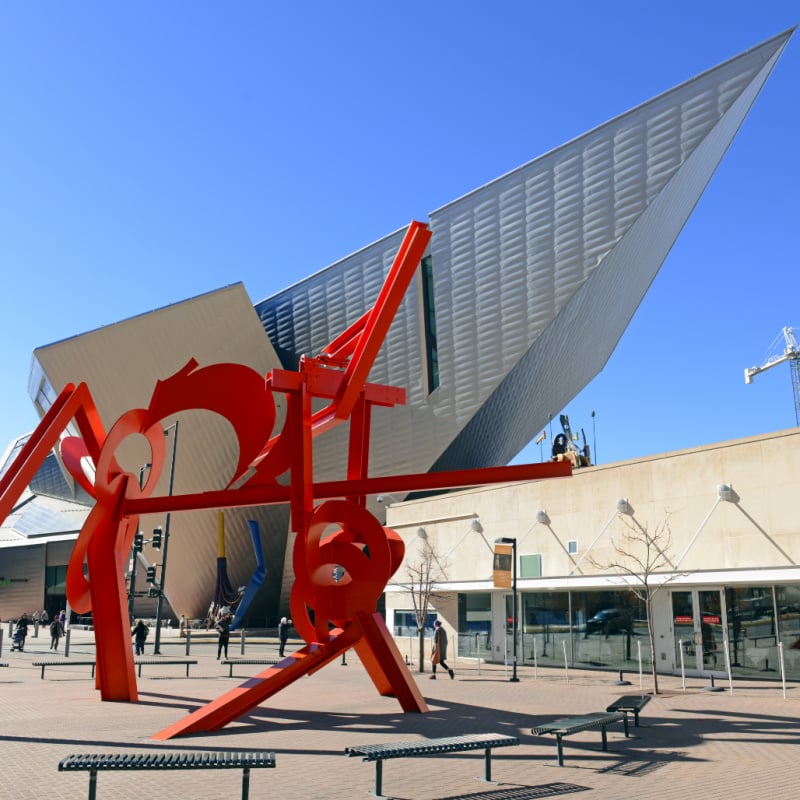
(589, 629)
(752, 627)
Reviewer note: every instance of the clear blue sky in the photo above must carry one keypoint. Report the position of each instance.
(151, 152)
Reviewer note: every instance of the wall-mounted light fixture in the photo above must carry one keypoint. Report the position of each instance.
(623, 507)
(725, 492)
(422, 533)
(476, 526)
(541, 517)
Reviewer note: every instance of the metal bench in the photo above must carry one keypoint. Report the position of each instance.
(93, 763)
(632, 703)
(431, 747)
(232, 662)
(140, 662)
(566, 726)
(63, 662)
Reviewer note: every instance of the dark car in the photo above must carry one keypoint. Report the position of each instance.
(608, 621)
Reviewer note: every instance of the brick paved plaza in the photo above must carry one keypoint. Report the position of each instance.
(693, 742)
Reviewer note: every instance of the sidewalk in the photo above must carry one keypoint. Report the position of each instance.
(720, 744)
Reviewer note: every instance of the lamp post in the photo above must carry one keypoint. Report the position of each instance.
(513, 542)
(159, 604)
(134, 551)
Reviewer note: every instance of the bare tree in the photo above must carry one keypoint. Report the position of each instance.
(639, 555)
(423, 575)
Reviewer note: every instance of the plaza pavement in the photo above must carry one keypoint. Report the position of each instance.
(691, 742)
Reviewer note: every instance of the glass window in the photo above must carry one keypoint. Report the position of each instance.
(405, 622)
(788, 602)
(431, 353)
(530, 566)
(474, 624)
(751, 628)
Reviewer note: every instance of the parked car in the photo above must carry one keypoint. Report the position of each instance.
(608, 621)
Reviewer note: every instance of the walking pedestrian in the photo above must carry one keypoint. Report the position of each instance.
(439, 652)
(139, 632)
(56, 632)
(283, 634)
(223, 628)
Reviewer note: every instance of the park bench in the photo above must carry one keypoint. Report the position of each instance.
(431, 747)
(140, 662)
(632, 703)
(232, 662)
(566, 726)
(63, 662)
(93, 763)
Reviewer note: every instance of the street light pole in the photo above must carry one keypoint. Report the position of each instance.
(514, 677)
(513, 542)
(134, 551)
(159, 604)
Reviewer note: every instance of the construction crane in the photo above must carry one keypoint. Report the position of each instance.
(791, 353)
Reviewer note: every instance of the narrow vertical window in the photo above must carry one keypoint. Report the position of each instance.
(431, 353)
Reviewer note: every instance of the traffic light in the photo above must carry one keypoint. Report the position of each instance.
(138, 541)
(157, 538)
(151, 574)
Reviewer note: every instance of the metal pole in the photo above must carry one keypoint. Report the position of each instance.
(514, 678)
(683, 671)
(728, 662)
(639, 655)
(159, 604)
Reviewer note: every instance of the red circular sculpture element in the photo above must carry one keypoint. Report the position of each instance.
(343, 572)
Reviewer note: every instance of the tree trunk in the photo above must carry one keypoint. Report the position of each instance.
(652, 637)
(422, 649)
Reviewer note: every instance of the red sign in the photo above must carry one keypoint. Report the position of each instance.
(712, 619)
(683, 620)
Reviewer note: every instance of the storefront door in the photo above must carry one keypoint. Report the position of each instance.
(698, 624)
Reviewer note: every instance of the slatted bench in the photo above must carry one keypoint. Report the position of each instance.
(93, 763)
(143, 662)
(566, 726)
(232, 662)
(431, 747)
(63, 662)
(632, 703)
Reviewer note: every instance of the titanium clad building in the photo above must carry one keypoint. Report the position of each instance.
(520, 273)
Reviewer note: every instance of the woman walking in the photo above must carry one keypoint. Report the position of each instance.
(439, 653)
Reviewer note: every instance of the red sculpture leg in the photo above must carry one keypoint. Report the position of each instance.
(385, 665)
(256, 690)
(371, 639)
(115, 675)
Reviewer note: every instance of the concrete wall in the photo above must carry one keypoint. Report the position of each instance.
(675, 492)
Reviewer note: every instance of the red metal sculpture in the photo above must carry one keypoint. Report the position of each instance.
(342, 603)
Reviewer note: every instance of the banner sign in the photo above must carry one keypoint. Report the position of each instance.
(502, 565)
